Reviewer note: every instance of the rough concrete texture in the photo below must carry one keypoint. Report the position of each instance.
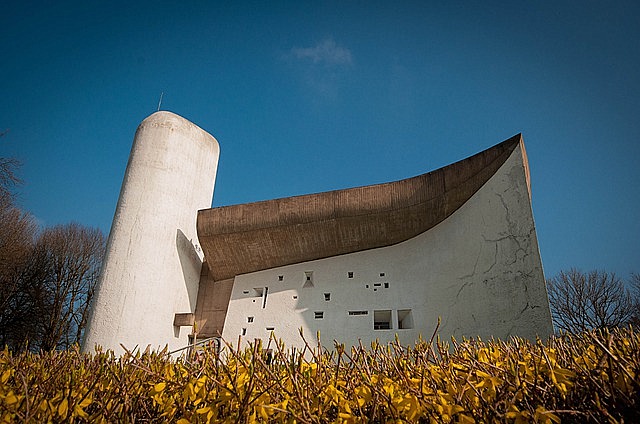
(479, 270)
(153, 261)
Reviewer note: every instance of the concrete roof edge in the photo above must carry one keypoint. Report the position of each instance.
(248, 237)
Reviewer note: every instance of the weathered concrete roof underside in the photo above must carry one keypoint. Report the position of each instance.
(250, 237)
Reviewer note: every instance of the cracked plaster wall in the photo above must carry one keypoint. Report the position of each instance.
(479, 270)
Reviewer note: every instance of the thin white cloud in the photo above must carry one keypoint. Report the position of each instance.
(326, 52)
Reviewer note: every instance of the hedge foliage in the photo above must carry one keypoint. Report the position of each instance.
(592, 377)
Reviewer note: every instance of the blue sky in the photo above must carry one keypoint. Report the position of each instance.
(307, 97)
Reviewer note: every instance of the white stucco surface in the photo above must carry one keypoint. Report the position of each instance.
(479, 271)
(152, 265)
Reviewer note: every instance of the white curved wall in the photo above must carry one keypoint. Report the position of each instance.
(152, 265)
(479, 270)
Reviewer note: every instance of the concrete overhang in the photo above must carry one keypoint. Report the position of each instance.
(250, 237)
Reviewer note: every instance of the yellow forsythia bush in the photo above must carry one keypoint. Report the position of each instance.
(592, 377)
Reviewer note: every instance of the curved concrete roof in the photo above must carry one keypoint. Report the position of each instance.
(251, 237)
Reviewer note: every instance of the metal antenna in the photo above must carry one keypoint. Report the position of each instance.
(160, 101)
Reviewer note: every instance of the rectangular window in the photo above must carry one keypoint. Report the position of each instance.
(327, 297)
(382, 274)
(245, 291)
(280, 277)
(350, 274)
(382, 320)
(249, 319)
(270, 328)
(244, 331)
(386, 285)
(405, 319)
(352, 313)
(377, 284)
(318, 315)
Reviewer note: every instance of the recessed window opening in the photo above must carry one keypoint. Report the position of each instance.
(244, 331)
(308, 279)
(264, 297)
(318, 315)
(405, 319)
(280, 277)
(327, 297)
(249, 319)
(270, 328)
(350, 274)
(295, 297)
(382, 274)
(386, 285)
(354, 313)
(367, 286)
(377, 284)
(382, 320)
(245, 291)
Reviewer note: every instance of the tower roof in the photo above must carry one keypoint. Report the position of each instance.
(255, 236)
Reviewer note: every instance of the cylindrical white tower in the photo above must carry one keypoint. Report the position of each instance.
(152, 265)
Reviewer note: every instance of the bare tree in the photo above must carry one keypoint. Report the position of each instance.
(17, 232)
(635, 290)
(23, 307)
(47, 280)
(71, 255)
(593, 300)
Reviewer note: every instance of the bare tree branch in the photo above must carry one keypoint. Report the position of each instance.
(582, 301)
(634, 282)
(72, 254)
(47, 280)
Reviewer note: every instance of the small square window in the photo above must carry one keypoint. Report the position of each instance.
(318, 315)
(327, 297)
(249, 319)
(244, 331)
(386, 285)
(308, 279)
(280, 277)
(382, 320)
(295, 297)
(382, 274)
(350, 274)
(405, 319)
